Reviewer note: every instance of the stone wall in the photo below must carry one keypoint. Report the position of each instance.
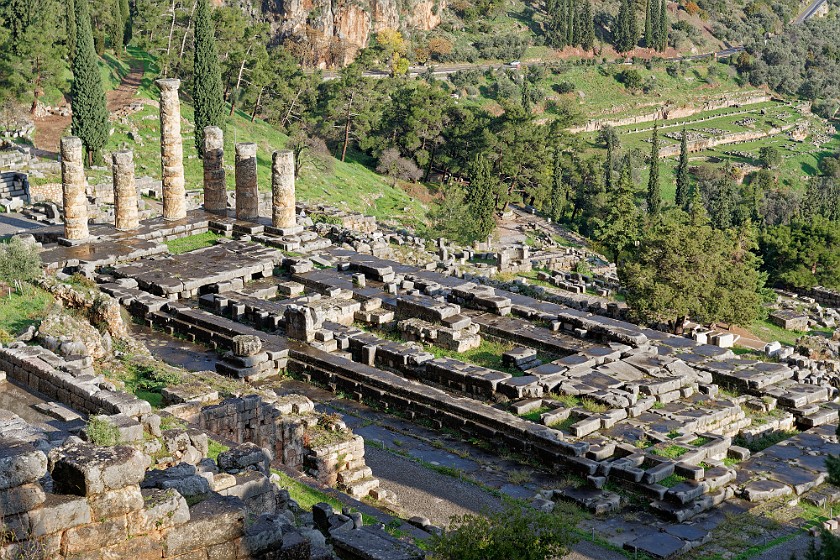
(48, 192)
(104, 504)
(295, 436)
(733, 138)
(823, 296)
(39, 369)
(668, 112)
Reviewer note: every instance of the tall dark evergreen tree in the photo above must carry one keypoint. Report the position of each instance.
(650, 22)
(608, 167)
(90, 115)
(619, 229)
(571, 12)
(481, 198)
(681, 197)
(626, 30)
(125, 12)
(587, 26)
(70, 6)
(208, 96)
(117, 29)
(654, 196)
(662, 26)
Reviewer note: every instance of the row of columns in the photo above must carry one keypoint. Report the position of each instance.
(172, 177)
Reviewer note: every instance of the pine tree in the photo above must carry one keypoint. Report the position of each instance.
(662, 26)
(117, 29)
(626, 32)
(90, 115)
(619, 229)
(71, 28)
(208, 97)
(681, 197)
(587, 24)
(650, 41)
(654, 196)
(481, 198)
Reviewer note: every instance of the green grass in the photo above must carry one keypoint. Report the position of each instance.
(534, 416)
(763, 442)
(192, 242)
(700, 441)
(767, 331)
(488, 354)
(20, 310)
(670, 452)
(564, 425)
(144, 379)
(306, 496)
(214, 448)
(671, 481)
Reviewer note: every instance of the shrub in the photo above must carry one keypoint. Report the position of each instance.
(516, 532)
(631, 79)
(19, 261)
(102, 432)
(564, 87)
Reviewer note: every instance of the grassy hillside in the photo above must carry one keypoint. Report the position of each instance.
(349, 185)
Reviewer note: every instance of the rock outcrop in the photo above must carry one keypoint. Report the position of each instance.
(335, 31)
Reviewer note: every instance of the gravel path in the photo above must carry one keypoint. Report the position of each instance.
(425, 492)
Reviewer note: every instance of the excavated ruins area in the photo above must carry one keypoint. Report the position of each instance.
(619, 406)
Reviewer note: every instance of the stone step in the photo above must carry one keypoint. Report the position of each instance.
(683, 512)
(350, 476)
(362, 488)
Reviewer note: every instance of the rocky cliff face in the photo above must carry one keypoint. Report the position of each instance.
(335, 30)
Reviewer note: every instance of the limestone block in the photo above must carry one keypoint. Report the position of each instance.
(162, 509)
(213, 521)
(265, 534)
(94, 536)
(84, 469)
(20, 499)
(60, 512)
(116, 502)
(20, 463)
(244, 456)
(246, 345)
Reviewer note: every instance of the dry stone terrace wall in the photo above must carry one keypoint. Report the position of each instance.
(41, 370)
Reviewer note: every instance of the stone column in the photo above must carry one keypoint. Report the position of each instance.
(171, 151)
(73, 189)
(283, 189)
(126, 213)
(247, 194)
(215, 189)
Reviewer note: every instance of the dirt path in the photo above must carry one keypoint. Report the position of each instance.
(50, 129)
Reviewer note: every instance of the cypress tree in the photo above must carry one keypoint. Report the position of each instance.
(71, 28)
(662, 26)
(587, 24)
(681, 197)
(90, 115)
(654, 197)
(570, 22)
(117, 29)
(481, 198)
(125, 12)
(626, 33)
(608, 167)
(650, 42)
(208, 98)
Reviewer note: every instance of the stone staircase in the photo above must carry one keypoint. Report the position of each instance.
(14, 190)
